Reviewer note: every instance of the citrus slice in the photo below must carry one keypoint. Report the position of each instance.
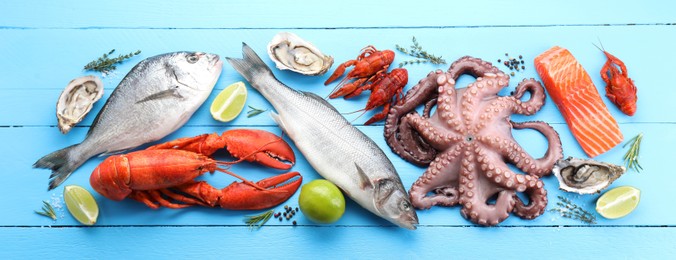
(229, 103)
(81, 204)
(321, 201)
(618, 202)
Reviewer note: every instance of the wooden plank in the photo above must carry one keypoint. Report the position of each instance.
(54, 61)
(24, 145)
(330, 14)
(339, 242)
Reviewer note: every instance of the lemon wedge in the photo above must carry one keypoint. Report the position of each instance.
(229, 103)
(81, 204)
(618, 202)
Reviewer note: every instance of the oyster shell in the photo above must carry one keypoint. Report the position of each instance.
(290, 52)
(585, 176)
(77, 100)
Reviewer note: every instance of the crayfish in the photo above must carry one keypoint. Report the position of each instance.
(370, 71)
(620, 89)
(163, 175)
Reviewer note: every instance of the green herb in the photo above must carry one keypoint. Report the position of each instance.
(255, 222)
(417, 51)
(105, 64)
(47, 210)
(568, 209)
(254, 111)
(631, 157)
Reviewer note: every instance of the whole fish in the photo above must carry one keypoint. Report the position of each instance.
(335, 149)
(154, 99)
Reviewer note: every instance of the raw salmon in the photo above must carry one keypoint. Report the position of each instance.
(579, 101)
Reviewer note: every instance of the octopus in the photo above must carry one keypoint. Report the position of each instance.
(468, 144)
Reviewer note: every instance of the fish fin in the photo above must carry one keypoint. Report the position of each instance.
(62, 164)
(250, 66)
(114, 152)
(365, 181)
(278, 120)
(320, 99)
(171, 92)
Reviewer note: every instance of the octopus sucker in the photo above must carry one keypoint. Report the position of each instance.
(475, 163)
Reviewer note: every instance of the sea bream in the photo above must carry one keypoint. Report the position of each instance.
(337, 150)
(154, 99)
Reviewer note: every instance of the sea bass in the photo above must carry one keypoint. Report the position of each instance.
(154, 99)
(335, 149)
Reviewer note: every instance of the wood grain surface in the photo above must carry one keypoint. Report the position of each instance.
(45, 44)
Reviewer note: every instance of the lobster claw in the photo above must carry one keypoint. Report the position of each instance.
(241, 196)
(260, 146)
(247, 144)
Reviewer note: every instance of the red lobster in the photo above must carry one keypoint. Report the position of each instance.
(620, 88)
(163, 175)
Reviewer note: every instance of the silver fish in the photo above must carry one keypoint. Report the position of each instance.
(337, 150)
(156, 97)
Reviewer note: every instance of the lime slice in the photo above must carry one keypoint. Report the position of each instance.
(229, 103)
(321, 201)
(81, 204)
(618, 202)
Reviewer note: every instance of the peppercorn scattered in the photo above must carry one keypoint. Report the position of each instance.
(294, 222)
(513, 63)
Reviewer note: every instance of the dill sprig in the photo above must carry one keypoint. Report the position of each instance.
(568, 209)
(105, 64)
(254, 111)
(255, 222)
(417, 51)
(47, 210)
(631, 157)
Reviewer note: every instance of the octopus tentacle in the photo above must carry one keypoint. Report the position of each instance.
(536, 100)
(399, 135)
(538, 202)
(542, 166)
(441, 178)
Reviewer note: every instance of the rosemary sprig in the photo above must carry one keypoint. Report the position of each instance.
(417, 51)
(254, 111)
(631, 157)
(255, 222)
(47, 210)
(568, 209)
(105, 64)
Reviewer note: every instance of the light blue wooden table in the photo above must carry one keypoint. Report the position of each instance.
(44, 44)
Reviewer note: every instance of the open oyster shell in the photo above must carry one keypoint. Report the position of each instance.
(77, 100)
(585, 176)
(290, 52)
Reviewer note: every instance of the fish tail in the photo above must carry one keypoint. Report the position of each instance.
(251, 67)
(62, 163)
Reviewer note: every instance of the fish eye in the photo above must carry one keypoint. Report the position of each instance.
(405, 206)
(192, 58)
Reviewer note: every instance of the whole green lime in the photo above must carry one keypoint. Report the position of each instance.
(321, 201)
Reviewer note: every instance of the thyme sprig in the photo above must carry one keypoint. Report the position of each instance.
(254, 111)
(105, 64)
(568, 209)
(256, 221)
(47, 210)
(631, 157)
(417, 51)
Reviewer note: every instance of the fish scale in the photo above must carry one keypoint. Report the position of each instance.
(336, 149)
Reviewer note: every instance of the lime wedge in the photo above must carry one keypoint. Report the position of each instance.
(229, 103)
(81, 204)
(618, 202)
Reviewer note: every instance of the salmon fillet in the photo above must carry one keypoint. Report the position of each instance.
(579, 101)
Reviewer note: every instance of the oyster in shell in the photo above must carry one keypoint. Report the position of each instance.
(77, 100)
(290, 52)
(585, 176)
